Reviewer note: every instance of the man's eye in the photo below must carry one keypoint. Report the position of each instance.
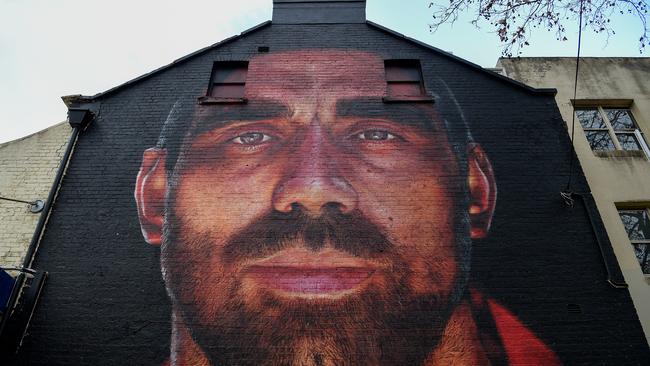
(251, 138)
(375, 135)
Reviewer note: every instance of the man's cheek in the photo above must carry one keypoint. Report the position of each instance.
(425, 239)
(431, 273)
(221, 202)
(411, 208)
(205, 289)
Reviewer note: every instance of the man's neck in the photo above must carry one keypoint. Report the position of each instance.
(184, 351)
(459, 345)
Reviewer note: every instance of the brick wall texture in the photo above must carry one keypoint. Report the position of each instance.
(105, 302)
(27, 169)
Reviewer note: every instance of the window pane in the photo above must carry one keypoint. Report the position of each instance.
(229, 75)
(229, 72)
(637, 224)
(600, 140)
(628, 141)
(403, 70)
(402, 73)
(404, 89)
(641, 252)
(590, 118)
(227, 91)
(621, 119)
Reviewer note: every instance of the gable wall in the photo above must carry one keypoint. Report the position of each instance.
(105, 301)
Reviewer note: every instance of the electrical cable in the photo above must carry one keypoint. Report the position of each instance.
(16, 200)
(34, 207)
(573, 114)
(614, 276)
(567, 197)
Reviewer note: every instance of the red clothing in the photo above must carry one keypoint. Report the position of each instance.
(521, 347)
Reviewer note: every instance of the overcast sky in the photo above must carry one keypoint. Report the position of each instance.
(51, 48)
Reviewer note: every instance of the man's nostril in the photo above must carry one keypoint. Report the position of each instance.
(334, 207)
(297, 207)
(313, 193)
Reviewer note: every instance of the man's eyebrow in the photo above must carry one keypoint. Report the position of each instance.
(411, 114)
(217, 116)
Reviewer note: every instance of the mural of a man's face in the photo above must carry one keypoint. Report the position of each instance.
(316, 224)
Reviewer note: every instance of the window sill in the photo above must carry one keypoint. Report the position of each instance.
(409, 99)
(619, 153)
(213, 100)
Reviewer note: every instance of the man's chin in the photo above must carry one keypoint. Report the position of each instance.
(367, 326)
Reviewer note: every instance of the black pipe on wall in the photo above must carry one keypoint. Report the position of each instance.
(42, 220)
(78, 119)
(614, 275)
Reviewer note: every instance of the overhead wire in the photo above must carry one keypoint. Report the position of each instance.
(573, 114)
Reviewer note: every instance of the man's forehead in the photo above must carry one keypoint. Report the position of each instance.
(320, 73)
(301, 84)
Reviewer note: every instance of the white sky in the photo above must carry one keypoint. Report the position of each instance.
(51, 48)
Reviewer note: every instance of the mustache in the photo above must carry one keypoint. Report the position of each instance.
(351, 232)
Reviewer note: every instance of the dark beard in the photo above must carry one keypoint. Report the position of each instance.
(362, 330)
(387, 325)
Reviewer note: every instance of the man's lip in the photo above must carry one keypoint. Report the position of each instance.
(302, 272)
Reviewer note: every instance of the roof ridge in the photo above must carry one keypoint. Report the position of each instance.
(547, 91)
(69, 100)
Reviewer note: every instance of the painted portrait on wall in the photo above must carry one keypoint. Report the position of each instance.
(322, 220)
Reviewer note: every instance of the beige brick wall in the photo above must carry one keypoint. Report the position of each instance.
(27, 169)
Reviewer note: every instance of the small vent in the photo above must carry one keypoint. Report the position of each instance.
(574, 309)
(263, 49)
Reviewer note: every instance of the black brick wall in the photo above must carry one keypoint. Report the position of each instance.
(105, 303)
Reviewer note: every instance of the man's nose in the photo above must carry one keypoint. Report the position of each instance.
(313, 178)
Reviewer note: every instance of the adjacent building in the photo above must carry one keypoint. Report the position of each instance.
(31, 172)
(28, 166)
(610, 126)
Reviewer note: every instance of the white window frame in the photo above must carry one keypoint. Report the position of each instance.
(644, 145)
(610, 129)
(635, 242)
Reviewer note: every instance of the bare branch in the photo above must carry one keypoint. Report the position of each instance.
(513, 20)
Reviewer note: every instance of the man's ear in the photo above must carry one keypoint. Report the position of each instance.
(482, 191)
(150, 193)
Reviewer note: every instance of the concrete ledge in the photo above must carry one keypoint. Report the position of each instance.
(620, 154)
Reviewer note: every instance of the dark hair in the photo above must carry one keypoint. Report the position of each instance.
(172, 135)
